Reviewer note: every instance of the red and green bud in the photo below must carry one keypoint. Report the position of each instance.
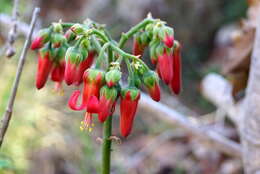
(167, 36)
(77, 29)
(165, 64)
(112, 77)
(57, 75)
(42, 37)
(57, 40)
(128, 106)
(107, 101)
(153, 51)
(73, 58)
(57, 27)
(141, 40)
(44, 67)
(93, 80)
(85, 64)
(176, 79)
(70, 35)
(151, 82)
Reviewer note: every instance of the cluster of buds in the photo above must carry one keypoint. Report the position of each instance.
(56, 58)
(164, 53)
(68, 56)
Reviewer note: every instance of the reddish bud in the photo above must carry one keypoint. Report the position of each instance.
(44, 68)
(93, 80)
(176, 79)
(57, 74)
(128, 106)
(42, 37)
(165, 67)
(83, 66)
(73, 58)
(107, 100)
(151, 83)
(138, 49)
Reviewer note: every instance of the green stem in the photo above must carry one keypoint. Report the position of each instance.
(101, 35)
(106, 146)
(67, 24)
(133, 30)
(127, 55)
(102, 54)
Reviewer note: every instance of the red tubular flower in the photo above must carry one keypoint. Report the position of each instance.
(73, 58)
(151, 82)
(165, 67)
(44, 67)
(128, 106)
(83, 66)
(108, 98)
(93, 105)
(42, 37)
(176, 79)
(57, 75)
(93, 81)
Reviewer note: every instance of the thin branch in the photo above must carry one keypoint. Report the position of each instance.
(9, 109)
(22, 28)
(10, 51)
(171, 116)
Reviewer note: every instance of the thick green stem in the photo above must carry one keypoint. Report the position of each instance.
(106, 146)
(133, 30)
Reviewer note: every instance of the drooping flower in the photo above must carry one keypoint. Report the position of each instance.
(128, 106)
(151, 82)
(93, 80)
(42, 37)
(73, 58)
(165, 67)
(107, 101)
(44, 67)
(112, 77)
(176, 79)
(85, 64)
(57, 74)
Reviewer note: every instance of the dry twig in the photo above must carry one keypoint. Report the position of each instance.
(9, 109)
(164, 112)
(10, 51)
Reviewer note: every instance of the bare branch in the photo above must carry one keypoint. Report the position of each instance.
(10, 51)
(250, 125)
(8, 113)
(164, 112)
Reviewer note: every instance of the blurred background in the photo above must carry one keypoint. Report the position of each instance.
(44, 135)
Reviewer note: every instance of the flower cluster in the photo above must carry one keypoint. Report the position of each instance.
(85, 53)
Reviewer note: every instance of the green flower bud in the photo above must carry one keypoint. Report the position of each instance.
(77, 29)
(112, 77)
(74, 56)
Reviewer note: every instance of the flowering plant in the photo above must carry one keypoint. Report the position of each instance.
(85, 53)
